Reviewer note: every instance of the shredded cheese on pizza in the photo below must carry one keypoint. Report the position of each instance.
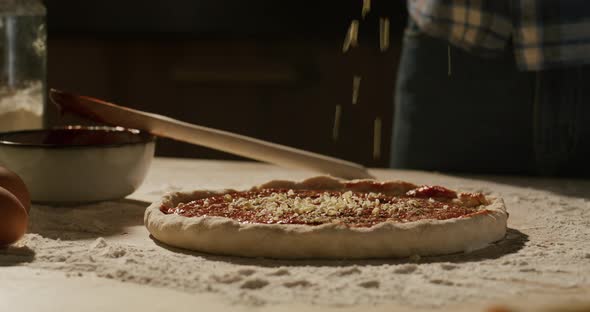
(315, 207)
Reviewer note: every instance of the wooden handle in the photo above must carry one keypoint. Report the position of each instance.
(163, 126)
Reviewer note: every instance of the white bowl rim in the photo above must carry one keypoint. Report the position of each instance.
(144, 137)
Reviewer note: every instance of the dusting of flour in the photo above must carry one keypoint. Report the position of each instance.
(547, 248)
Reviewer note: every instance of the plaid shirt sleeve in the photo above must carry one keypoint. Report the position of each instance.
(543, 33)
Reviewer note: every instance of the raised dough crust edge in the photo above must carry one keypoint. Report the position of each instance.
(224, 236)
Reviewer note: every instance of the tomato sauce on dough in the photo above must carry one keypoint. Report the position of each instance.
(316, 207)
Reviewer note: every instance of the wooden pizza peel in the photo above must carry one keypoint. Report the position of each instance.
(109, 113)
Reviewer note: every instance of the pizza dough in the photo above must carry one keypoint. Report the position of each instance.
(226, 236)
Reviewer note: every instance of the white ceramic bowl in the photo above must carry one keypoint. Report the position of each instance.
(78, 164)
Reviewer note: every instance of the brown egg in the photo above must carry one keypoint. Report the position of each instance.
(13, 183)
(13, 218)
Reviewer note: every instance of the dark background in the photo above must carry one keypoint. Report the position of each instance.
(264, 68)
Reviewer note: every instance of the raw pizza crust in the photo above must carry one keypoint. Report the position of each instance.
(224, 236)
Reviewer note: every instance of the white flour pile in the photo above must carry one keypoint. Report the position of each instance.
(546, 249)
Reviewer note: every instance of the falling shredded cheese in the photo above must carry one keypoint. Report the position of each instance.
(377, 138)
(383, 34)
(449, 60)
(336, 128)
(351, 39)
(366, 8)
(356, 84)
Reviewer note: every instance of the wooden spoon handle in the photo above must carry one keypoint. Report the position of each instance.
(163, 126)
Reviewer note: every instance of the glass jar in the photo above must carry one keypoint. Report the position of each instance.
(22, 64)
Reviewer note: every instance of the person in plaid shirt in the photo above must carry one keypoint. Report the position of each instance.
(497, 86)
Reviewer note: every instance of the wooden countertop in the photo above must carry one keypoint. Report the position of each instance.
(25, 286)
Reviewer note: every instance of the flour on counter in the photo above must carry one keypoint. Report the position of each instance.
(547, 248)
